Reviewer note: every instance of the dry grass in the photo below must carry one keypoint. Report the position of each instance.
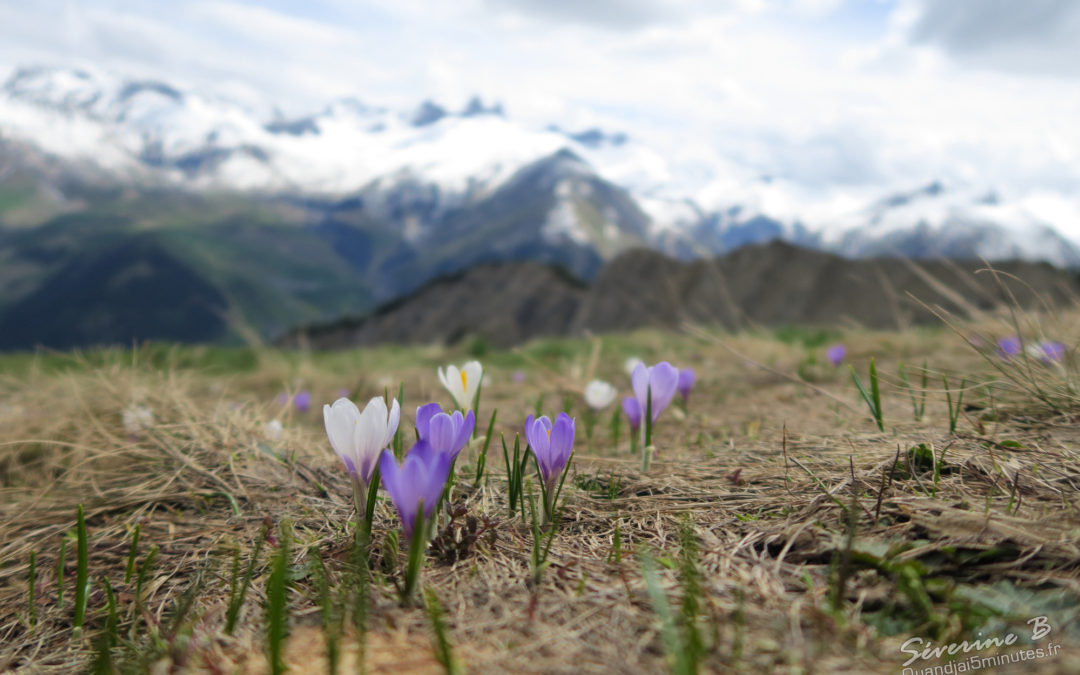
(764, 471)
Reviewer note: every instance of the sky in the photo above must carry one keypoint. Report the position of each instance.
(842, 97)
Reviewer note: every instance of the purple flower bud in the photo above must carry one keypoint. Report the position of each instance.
(1051, 351)
(836, 354)
(686, 382)
(1008, 347)
(633, 412)
(303, 401)
(552, 444)
(659, 382)
(447, 433)
(419, 481)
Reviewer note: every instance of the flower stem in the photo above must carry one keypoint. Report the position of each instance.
(359, 497)
(646, 431)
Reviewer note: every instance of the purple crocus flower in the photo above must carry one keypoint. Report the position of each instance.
(282, 398)
(836, 354)
(552, 444)
(419, 481)
(1051, 351)
(686, 382)
(343, 393)
(303, 401)
(659, 382)
(1008, 347)
(633, 412)
(447, 433)
(518, 377)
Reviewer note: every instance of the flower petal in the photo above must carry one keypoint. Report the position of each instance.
(686, 381)
(423, 417)
(368, 436)
(474, 375)
(465, 430)
(663, 381)
(441, 433)
(632, 409)
(539, 435)
(340, 420)
(392, 421)
(639, 379)
(562, 442)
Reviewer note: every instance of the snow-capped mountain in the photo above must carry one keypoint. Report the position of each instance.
(424, 170)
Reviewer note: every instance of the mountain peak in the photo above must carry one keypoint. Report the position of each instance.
(476, 107)
(428, 113)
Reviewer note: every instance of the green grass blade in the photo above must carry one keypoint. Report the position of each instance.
(444, 651)
(481, 461)
(875, 392)
(132, 551)
(669, 633)
(277, 607)
(82, 574)
(867, 396)
(237, 596)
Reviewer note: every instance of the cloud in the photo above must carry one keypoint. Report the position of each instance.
(837, 97)
(1035, 36)
(619, 14)
(630, 15)
(272, 27)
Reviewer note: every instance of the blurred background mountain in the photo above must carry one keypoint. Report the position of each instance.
(142, 199)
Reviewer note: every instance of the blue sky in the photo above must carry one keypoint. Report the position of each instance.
(826, 92)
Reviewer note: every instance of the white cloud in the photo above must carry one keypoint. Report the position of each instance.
(831, 98)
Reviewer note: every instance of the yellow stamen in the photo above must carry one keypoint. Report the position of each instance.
(549, 433)
(464, 381)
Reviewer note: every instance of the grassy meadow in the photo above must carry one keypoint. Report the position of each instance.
(777, 529)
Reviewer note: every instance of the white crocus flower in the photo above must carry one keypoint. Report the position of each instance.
(599, 394)
(274, 430)
(360, 437)
(630, 364)
(138, 418)
(462, 384)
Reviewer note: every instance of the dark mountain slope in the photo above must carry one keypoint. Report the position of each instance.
(135, 290)
(505, 304)
(778, 283)
(770, 285)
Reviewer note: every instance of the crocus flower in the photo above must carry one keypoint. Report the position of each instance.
(552, 444)
(282, 398)
(1047, 351)
(633, 412)
(274, 430)
(446, 433)
(659, 382)
(138, 418)
(599, 394)
(462, 384)
(418, 482)
(343, 393)
(836, 354)
(686, 382)
(1008, 347)
(518, 377)
(303, 401)
(359, 437)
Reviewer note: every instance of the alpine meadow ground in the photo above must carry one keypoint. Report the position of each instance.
(800, 514)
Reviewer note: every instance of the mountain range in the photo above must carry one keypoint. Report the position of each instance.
(506, 304)
(134, 209)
